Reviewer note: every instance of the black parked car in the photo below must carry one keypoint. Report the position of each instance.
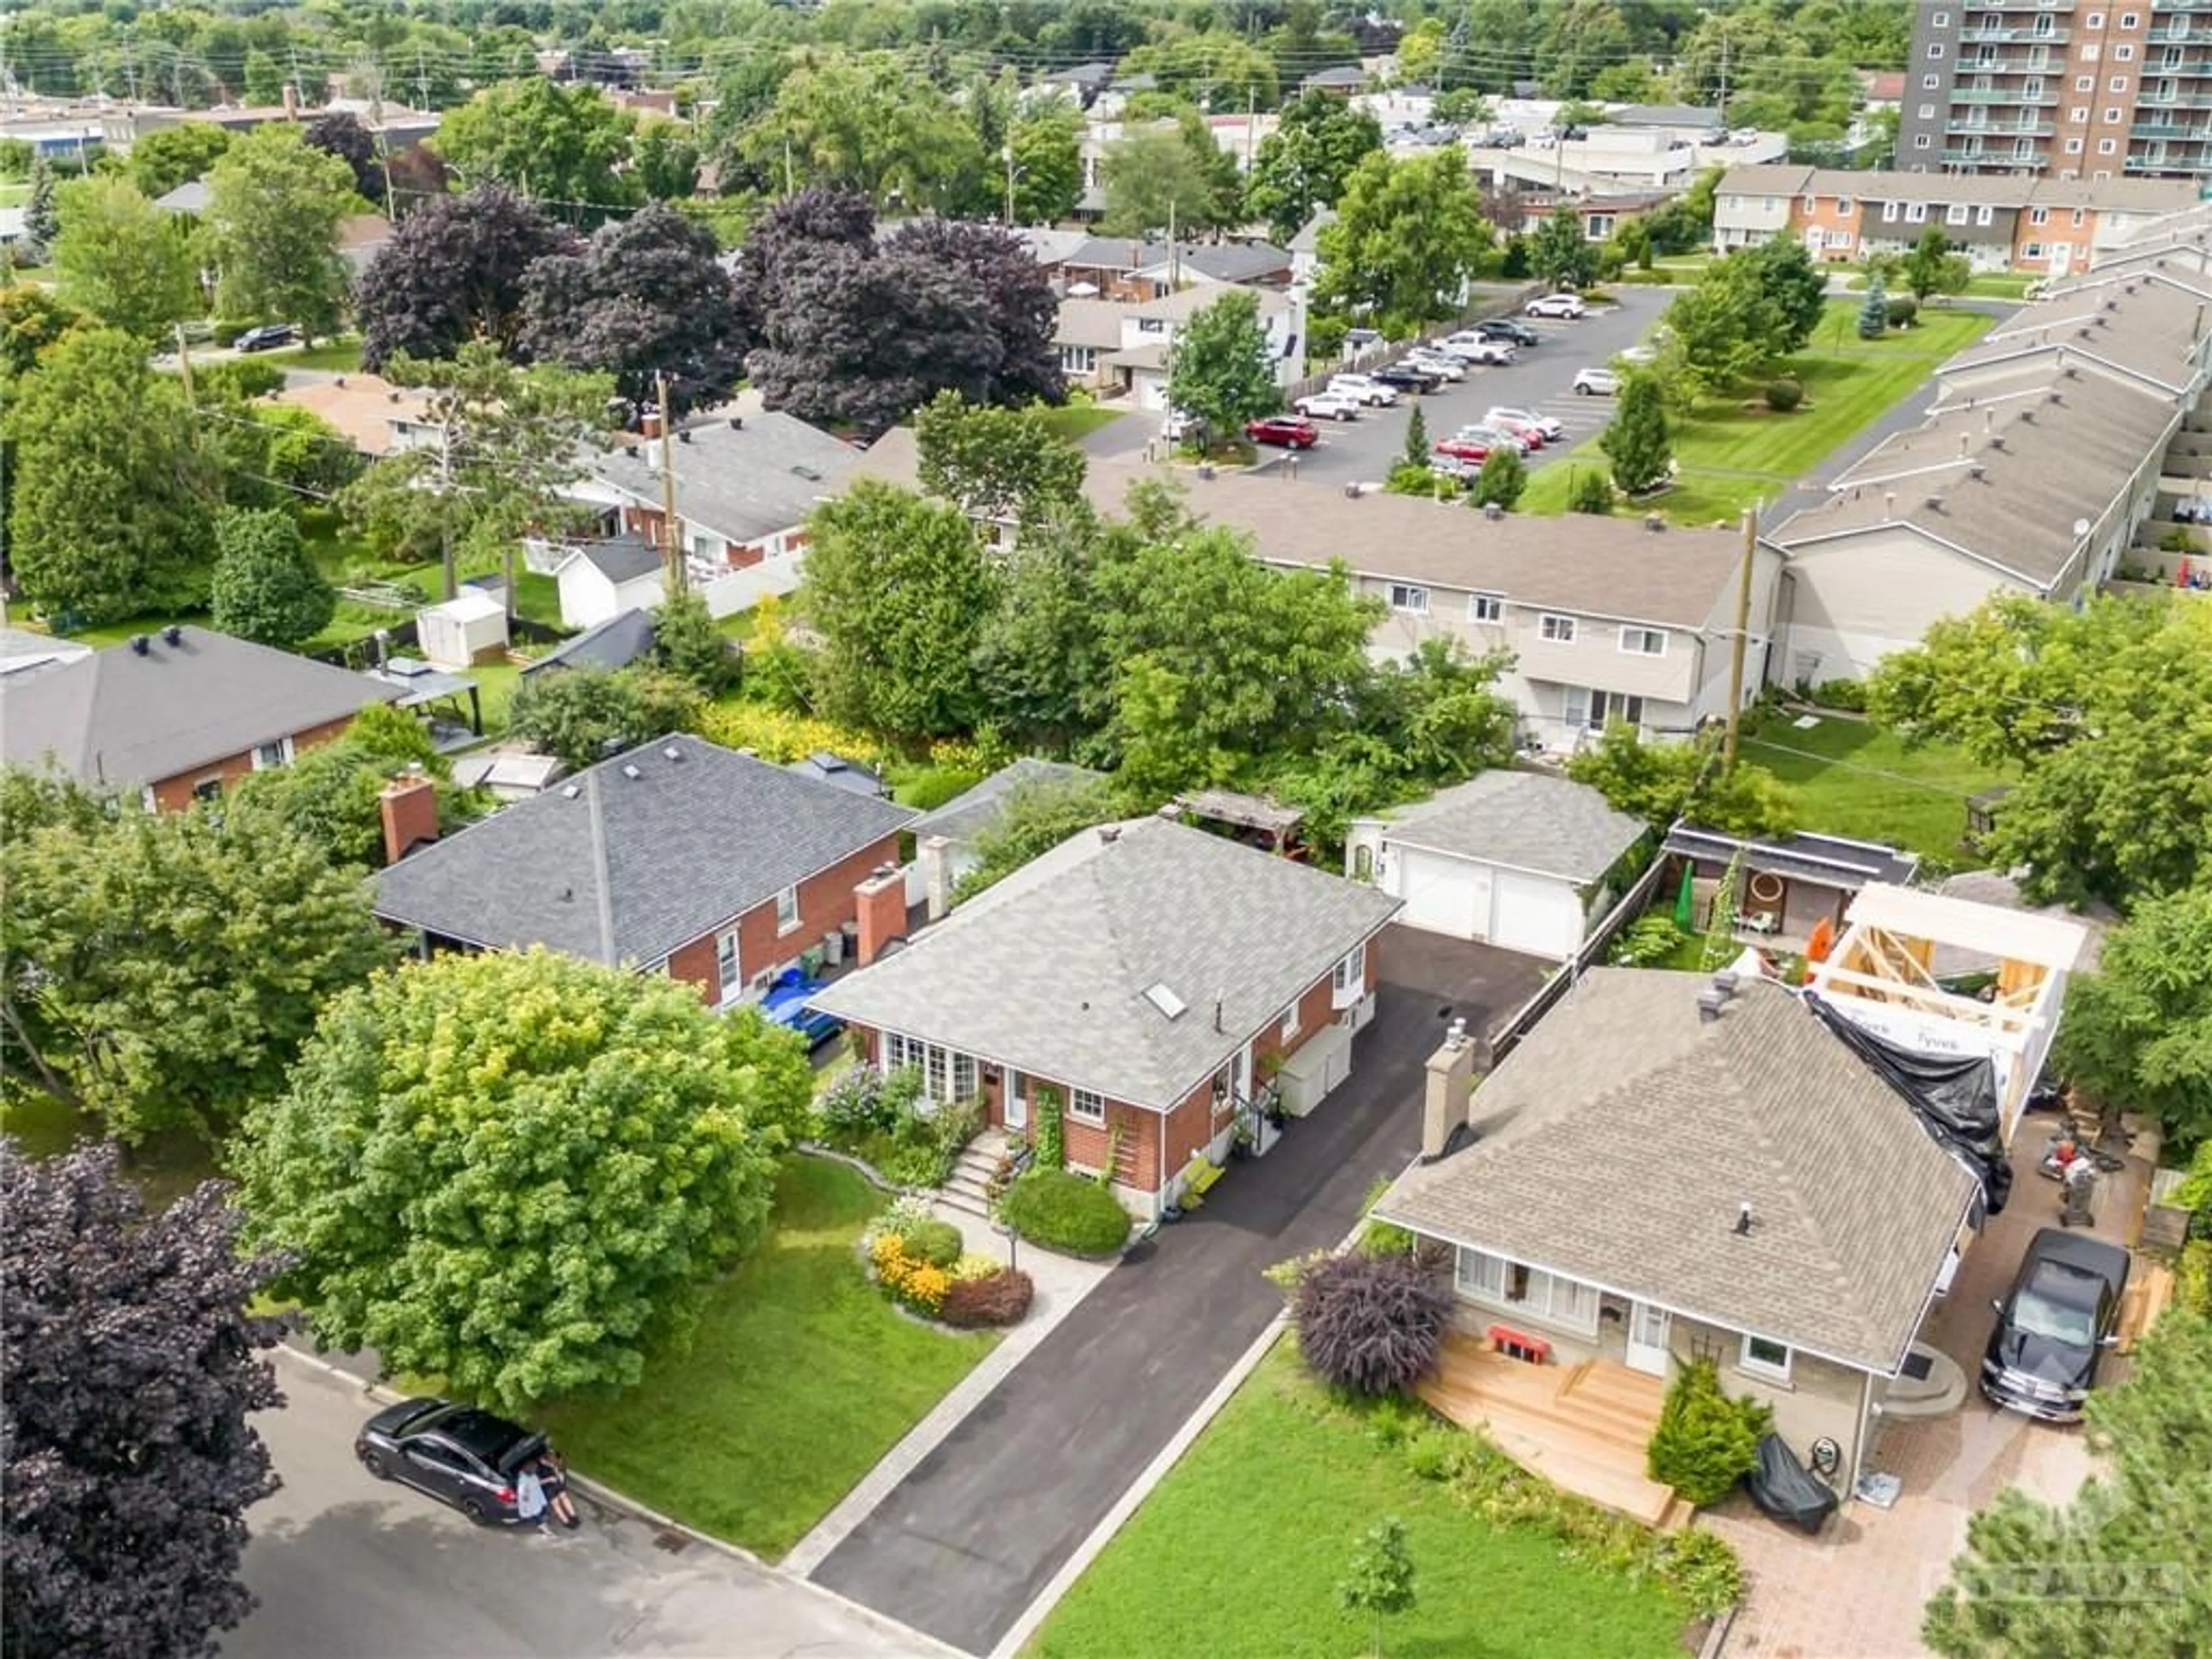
(457, 1454)
(1406, 379)
(267, 338)
(2060, 1315)
(1509, 328)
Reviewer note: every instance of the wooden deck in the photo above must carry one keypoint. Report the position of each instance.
(1582, 1427)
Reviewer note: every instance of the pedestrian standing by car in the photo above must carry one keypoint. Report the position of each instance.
(552, 1471)
(529, 1496)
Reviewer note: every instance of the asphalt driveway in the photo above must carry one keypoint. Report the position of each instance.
(962, 1546)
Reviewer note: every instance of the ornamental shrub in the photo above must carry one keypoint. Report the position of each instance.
(1001, 1299)
(1707, 1439)
(1064, 1212)
(975, 1265)
(936, 1243)
(909, 1280)
(1847, 694)
(1700, 1570)
(1591, 492)
(1784, 395)
(1370, 1325)
(1051, 1144)
(1903, 311)
(851, 1106)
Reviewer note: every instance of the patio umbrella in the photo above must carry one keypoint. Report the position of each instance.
(1685, 902)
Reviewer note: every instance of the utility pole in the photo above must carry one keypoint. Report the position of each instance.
(1006, 155)
(1722, 112)
(1739, 640)
(672, 544)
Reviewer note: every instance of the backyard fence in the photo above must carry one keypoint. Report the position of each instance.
(1504, 1037)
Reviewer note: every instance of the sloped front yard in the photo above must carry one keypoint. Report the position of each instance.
(1238, 1553)
(800, 1377)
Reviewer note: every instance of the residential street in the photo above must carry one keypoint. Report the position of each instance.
(963, 1544)
(347, 1569)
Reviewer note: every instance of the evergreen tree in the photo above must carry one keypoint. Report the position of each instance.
(42, 218)
(1874, 315)
(266, 588)
(1417, 440)
(1637, 442)
(1504, 476)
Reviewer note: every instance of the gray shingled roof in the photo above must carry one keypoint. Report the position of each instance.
(1047, 971)
(621, 640)
(972, 812)
(1834, 861)
(614, 868)
(119, 718)
(742, 482)
(1524, 820)
(1616, 1142)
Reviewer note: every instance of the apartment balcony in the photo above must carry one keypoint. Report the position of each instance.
(1995, 160)
(2002, 97)
(1999, 128)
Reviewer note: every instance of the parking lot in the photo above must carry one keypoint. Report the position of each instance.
(1364, 450)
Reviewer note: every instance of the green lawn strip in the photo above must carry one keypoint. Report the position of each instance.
(1238, 1553)
(801, 1376)
(1849, 778)
(1075, 421)
(339, 357)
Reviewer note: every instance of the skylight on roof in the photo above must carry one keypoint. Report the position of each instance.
(1166, 1001)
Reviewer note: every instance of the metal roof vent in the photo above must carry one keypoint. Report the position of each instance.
(1977, 471)
(1709, 1003)
(141, 644)
(1743, 1228)
(671, 753)
(569, 792)
(172, 634)
(629, 771)
(1166, 1001)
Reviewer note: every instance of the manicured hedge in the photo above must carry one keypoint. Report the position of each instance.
(1064, 1211)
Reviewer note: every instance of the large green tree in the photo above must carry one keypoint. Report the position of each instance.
(1408, 237)
(163, 968)
(1932, 268)
(332, 793)
(580, 715)
(870, 124)
(124, 259)
(274, 204)
(1302, 164)
(1660, 783)
(1047, 163)
(1558, 253)
(1160, 176)
(2102, 711)
(1219, 369)
(266, 588)
(899, 588)
(111, 511)
(995, 463)
(2138, 1032)
(519, 1171)
(565, 146)
(2126, 1567)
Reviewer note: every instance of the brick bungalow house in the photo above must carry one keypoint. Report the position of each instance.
(180, 715)
(679, 858)
(1163, 983)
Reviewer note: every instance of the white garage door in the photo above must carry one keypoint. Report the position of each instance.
(1530, 913)
(1439, 892)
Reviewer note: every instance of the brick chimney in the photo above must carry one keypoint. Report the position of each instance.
(882, 903)
(411, 815)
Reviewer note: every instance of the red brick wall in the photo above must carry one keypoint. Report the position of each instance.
(694, 964)
(1137, 1166)
(825, 902)
(1190, 1127)
(175, 794)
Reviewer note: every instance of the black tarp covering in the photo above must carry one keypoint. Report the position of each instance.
(1954, 1098)
(1786, 1489)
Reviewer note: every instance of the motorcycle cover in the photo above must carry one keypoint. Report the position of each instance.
(1786, 1489)
(1956, 1099)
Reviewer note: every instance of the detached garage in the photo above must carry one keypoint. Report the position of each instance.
(1516, 859)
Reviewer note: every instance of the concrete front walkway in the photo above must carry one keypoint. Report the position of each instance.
(962, 1545)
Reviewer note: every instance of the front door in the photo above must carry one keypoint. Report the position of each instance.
(1648, 1330)
(1016, 1109)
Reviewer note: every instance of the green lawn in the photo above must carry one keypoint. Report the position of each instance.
(1075, 421)
(168, 1166)
(1982, 285)
(1237, 1554)
(1732, 455)
(800, 1377)
(1851, 779)
(340, 356)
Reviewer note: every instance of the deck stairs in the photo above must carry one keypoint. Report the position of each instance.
(968, 1188)
(1583, 1426)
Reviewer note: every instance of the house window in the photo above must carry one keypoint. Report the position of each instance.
(725, 964)
(2038, 215)
(1927, 113)
(1349, 977)
(2112, 115)
(1291, 1016)
(1765, 1357)
(1086, 1106)
(2096, 20)
(2085, 83)
(1943, 20)
(2072, 148)
(208, 789)
(1079, 360)
(1526, 1292)
(1414, 601)
(2123, 55)
(269, 754)
(1934, 51)
(2128, 20)
(787, 910)
(1843, 207)
(1559, 630)
(2107, 147)
(2080, 218)
(947, 1075)
(1920, 142)
(1485, 607)
(1588, 710)
(1984, 213)
(2090, 53)
(1927, 83)
(1643, 642)
(1889, 213)
(2032, 251)
(1915, 212)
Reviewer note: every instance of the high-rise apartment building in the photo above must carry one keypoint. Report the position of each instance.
(2059, 89)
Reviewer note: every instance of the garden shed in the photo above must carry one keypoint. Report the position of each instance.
(463, 631)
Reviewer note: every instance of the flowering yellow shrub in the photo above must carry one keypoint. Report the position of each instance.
(972, 1265)
(909, 1278)
(925, 1286)
(777, 736)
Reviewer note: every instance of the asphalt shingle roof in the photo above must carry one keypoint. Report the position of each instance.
(1047, 970)
(972, 812)
(741, 481)
(1526, 820)
(119, 718)
(620, 640)
(620, 558)
(1617, 1140)
(614, 868)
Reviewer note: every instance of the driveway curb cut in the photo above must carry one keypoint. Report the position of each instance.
(1074, 1568)
(923, 1646)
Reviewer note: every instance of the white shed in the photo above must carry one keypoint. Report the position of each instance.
(1516, 859)
(601, 580)
(465, 630)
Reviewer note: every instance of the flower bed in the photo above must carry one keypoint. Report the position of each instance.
(879, 1121)
(907, 1252)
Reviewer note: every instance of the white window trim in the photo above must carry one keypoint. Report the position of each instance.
(1555, 629)
(1290, 1027)
(729, 986)
(1536, 1308)
(1761, 1368)
(284, 754)
(1643, 633)
(1086, 1106)
(943, 1070)
(1955, 214)
(1985, 215)
(783, 927)
(1347, 981)
(1478, 603)
(1409, 599)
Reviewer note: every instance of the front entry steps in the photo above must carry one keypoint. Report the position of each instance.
(968, 1188)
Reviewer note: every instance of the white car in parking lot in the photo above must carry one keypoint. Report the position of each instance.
(1329, 405)
(1569, 305)
(1553, 428)
(1596, 382)
(1474, 348)
(1364, 389)
(1436, 362)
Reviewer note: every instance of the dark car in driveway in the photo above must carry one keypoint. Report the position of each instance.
(457, 1454)
(1509, 329)
(787, 1003)
(2059, 1317)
